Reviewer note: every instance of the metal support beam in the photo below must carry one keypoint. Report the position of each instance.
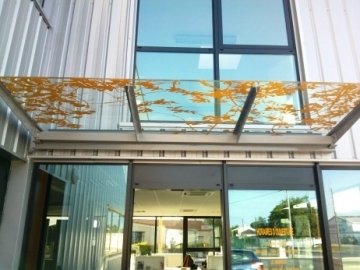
(42, 14)
(245, 112)
(130, 94)
(18, 111)
(345, 124)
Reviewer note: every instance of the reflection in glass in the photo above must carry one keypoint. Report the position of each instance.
(169, 235)
(254, 22)
(84, 216)
(280, 228)
(342, 192)
(143, 235)
(204, 242)
(175, 23)
(257, 67)
(204, 233)
(190, 101)
(173, 66)
(160, 237)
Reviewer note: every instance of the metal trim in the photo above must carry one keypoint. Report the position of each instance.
(345, 124)
(226, 220)
(129, 206)
(245, 112)
(323, 218)
(295, 141)
(41, 13)
(18, 111)
(129, 90)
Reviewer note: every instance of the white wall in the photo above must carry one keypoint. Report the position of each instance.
(330, 45)
(14, 214)
(92, 38)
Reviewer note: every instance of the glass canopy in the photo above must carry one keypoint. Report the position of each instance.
(186, 106)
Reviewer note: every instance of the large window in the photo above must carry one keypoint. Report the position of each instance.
(342, 192)
(175, 23)
(274, 218)
(215, 40)
(254, 22)
(77, 219)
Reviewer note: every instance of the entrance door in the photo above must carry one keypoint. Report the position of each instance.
(169, 225)
(176, 215)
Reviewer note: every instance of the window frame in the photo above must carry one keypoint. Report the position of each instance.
(261, 48)
(220, 48)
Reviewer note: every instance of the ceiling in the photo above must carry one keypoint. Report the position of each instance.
(177, 202)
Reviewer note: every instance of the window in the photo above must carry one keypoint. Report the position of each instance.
(137, 237)
(215, 40)
(274, 218)
(175, 23)
(254, 22)
(77, 219)
(264, 67)
(342, 193)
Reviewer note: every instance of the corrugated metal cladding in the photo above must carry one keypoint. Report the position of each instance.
(14, 137)
(86, 38)
(91, 38)
(329, 33)
(95, 38)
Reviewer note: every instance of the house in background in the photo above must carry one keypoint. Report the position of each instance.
(203, 115)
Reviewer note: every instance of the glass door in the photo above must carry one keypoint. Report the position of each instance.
(176, 216)
(203, 242)
(157, 242)
(175, 228)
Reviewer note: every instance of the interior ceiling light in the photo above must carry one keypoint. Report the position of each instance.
(197, 193)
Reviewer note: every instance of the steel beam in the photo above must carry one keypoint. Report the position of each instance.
(245, 112)
(345, 124)
(18, 111)
(225, 139)
(130, 94)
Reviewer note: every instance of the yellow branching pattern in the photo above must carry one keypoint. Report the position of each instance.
(64, 102)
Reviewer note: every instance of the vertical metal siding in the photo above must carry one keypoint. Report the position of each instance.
(56, 38)
(87, 38)
(8, 19)
(1, 5)
(329, 31)
(30, 43)
(82, 246)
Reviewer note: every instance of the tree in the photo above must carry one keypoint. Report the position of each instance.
(259, 223)
(303, 217)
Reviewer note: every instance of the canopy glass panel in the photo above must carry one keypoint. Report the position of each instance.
(183, 106)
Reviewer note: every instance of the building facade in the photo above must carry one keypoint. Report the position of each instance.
(134, 133)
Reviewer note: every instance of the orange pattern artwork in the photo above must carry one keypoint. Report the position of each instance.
(64, 101)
